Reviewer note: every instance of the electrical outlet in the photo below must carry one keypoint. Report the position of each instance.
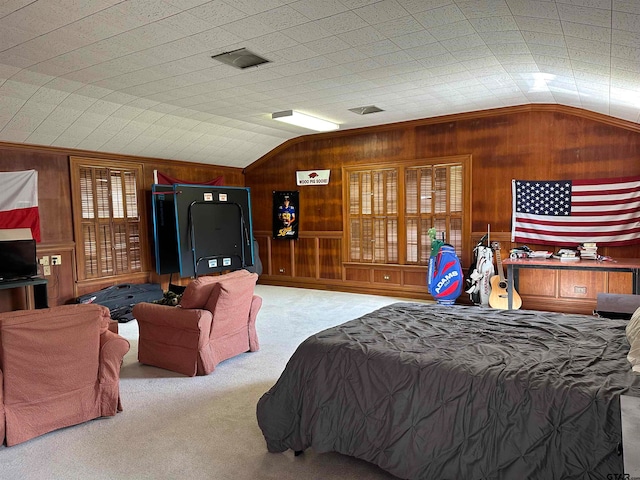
(46, 269)
(56, 259)
(577, 289)
(44, 260)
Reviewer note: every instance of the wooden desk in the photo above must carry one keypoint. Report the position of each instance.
(622, 265)
(35, 290)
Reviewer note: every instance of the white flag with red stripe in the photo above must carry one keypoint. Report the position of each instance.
(19, 201)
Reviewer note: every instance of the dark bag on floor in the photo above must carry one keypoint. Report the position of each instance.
(120, 299)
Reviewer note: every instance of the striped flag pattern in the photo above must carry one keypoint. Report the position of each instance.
(19, 201)
(570, 212)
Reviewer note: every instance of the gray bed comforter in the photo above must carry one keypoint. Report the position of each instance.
(456, 392)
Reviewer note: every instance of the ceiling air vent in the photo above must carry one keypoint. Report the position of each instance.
(366, 110)
(241, 58)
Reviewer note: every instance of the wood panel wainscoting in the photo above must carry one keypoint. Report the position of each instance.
(315, 261)
(570, 291)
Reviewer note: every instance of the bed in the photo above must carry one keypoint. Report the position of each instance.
(458, 392)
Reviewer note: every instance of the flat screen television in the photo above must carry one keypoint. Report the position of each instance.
(17, 260)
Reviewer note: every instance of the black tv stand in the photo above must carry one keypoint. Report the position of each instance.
(35, 290)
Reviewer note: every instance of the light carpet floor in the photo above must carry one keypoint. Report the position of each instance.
(177, 427)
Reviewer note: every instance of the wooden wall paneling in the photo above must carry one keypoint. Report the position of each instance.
(281, 257)
(415, 277)
(581, 284)
(387, 276)
(330, 258)
(59, 290)
(306, 257)
(620, 282)
(54, 188)
(356, 273)
(543, 142)
(264, 249)
(537, 283)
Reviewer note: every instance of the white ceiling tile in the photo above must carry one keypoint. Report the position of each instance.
(251, 7)
(438, 60)
(588, 32)
(248, 28)
(315, 10)
(509, 48)
(600, 48)
(400, 26)
(217, 13)
(362, 36)
(530, 24)
(623, 65)
(492, 24)
(414, 40)
(466, 42)
(629, 22)
(591, 79)
(342, 22)
(544, 40)
(328, 45)
(384, 47)
(585, 15)
(628, 39)
(553, 61)
(589, 61)
(381, 11)
(628, 54)
(19, 90)
(14, 136)
(440, 16)
(143, 68)
(533, 8)
(479, 52)
(505, 37)
(417, 6)
(434, 49)
(307, 32)
(453, 30)
(281, 18)
(629, 6)
(185, 23)
(483, 8)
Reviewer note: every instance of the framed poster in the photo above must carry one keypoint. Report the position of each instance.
(285, 214)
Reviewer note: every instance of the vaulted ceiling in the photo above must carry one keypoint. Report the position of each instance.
(136, 77)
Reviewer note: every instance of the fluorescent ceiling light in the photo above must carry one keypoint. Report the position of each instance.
(305, 121)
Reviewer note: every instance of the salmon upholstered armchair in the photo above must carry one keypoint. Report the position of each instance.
(59, 366)
(215, 320)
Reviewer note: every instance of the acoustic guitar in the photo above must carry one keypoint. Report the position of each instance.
(499, 296)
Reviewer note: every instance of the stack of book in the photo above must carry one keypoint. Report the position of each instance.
(539, 254)
(567, 255)
(588, 251)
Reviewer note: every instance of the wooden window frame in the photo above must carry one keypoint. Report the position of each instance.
(401, 166)
(76, 164)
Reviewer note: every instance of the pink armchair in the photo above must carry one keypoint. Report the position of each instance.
(59, 367)
(216, 320)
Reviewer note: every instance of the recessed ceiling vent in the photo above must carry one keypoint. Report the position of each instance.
(241, 58)
(366, 110)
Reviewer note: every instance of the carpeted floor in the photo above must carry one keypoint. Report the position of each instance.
(176, 427)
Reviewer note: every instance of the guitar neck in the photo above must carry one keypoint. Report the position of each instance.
(499, 263)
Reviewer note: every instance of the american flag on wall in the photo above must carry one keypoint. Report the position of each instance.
(570, 212)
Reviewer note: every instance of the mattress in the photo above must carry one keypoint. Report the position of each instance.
(458, 392)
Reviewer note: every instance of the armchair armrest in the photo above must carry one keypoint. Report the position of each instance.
(193, 319)
(256, 303)
(2, 414)
(113, 348)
